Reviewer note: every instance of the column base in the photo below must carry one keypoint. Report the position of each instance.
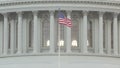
(52, 52)
(19, 52)
(115, 54)
(68, 51)
(85, 52)
(109, 53)
(35, 52)
(12, 53)
(101, 53)
(4, 54)
(24, 51)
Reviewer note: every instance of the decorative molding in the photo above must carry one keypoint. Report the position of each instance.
(16, 6)
(113, 3)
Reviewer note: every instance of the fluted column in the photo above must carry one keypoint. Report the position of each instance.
(119, 35)
(40, 32)
(85, 50)
(80, 34)
(19, 32)
(93, 34)
(1, 37)
(109, 37)
(106, 34)
(115, 34)
(12, 36)
(24, 35)
(52, 32)
(101, 32)
(68, 35)
(96, 35)
(35, 35)
(6, 33)
(27, 33)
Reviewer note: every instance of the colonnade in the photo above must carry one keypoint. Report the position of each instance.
(19, 43)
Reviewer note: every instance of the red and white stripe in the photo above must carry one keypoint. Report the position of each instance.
(65, 21)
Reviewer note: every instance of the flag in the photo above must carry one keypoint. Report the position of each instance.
(63, 20)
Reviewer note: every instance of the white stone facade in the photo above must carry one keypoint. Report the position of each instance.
(31, 28)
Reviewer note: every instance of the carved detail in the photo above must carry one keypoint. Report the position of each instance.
(44, 17)
(60, 1)
(75, 16)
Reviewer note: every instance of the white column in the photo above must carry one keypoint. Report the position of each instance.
(96, 35)
(119, 35)
(101, 32)
(80, 34)
(109, 37)
(40, 33)
(106, 34)
(6, 34)
(52, 33)
(27, 33)
(19, 32)
(93, 34)
(115, 34)
(24, 35)
(85, 32)
(15, 47)
(68, 35)
(35, 35)
(1, 37)
(12, 36)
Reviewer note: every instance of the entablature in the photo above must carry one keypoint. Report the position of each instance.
(89, 5)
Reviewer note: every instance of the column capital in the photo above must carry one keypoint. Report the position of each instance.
(101, 13)
(115, 14)
(19, 12)
(108, 21)
(35, 12)
(68, 11)
(4, 14)
(85, 12)
(51, 12)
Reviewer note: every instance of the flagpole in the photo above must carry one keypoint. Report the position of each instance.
(59, 46)
(59, 62)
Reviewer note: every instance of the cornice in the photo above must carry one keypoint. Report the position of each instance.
(12, 3)
(86, 5)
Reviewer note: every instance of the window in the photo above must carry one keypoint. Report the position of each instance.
(48, 42)
(61, 43)
(45, 28)
(75, 32)
(74, 43)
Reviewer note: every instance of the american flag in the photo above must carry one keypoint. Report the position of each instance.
(63, 20)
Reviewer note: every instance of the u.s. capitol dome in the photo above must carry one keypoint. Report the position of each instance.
(31, 36)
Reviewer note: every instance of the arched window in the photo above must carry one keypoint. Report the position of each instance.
(75, 30)
(45, 30)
